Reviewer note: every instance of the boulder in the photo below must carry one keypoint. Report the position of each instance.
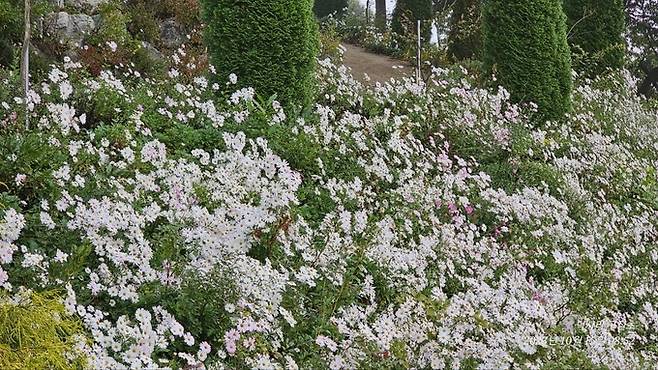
(69, 28)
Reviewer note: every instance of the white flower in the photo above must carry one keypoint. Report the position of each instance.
(20, 179)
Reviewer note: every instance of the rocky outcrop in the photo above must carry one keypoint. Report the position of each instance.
(69, 28)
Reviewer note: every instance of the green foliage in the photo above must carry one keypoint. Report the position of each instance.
(405, 15)
(525, 46)
(323, 8)
(143, 22)
(11, 27)
(198, 304)
(36, 332)
(6, 53)
(11, 19)
(113, 27)
(596, 33)
(329, 41)
(271, 45)
(465, 35)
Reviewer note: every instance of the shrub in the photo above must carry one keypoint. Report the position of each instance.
(271, 45)
(596, 27)
(323, 8)
(143, 22)
(329, 41)
(405, 15)
(525, 46)
(113, 27)
(464, 36)
(36, 332)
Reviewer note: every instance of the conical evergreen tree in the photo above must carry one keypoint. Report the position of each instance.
(271, 45)
(465, 35)
(597, 28)
(525, 46)
(323, 8)
(405, 15)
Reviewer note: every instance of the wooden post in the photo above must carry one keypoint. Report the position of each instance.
(25, 62)
(418, 74)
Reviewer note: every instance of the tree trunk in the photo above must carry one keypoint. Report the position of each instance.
(380, 14)
(25, 62)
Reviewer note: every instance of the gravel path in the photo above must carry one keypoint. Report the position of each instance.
(379, 68)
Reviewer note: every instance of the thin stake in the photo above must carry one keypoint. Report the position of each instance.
(418, 75)
(25, 63)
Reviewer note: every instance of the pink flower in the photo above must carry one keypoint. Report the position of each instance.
(230, 338)
(536, 296)
(231, 348)
(469, 209)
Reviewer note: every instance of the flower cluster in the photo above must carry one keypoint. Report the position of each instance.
(423, 226)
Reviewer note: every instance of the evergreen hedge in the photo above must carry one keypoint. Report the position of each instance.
(597, 28)
(405, 15)
(465, 35)
(525, 46)
(271, 45)
(323, 8)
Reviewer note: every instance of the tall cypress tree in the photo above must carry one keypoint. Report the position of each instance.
(323, 8)
(465, 36)
(597, 28)
(271, 45)
(525, 46)
(407, 12)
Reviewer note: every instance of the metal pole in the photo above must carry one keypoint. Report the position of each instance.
(418, 75)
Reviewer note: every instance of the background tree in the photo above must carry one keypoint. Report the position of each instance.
(11, 27)
(642, 21)
(323, 8)
(405, 15)
(380, 14)
(464, 35)
(596, 34)
(271, 45)
(525, 46)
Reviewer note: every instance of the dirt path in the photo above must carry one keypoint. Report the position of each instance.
(378, 67)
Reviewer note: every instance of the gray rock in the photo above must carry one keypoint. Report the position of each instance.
(67, 28)
(171, 34)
